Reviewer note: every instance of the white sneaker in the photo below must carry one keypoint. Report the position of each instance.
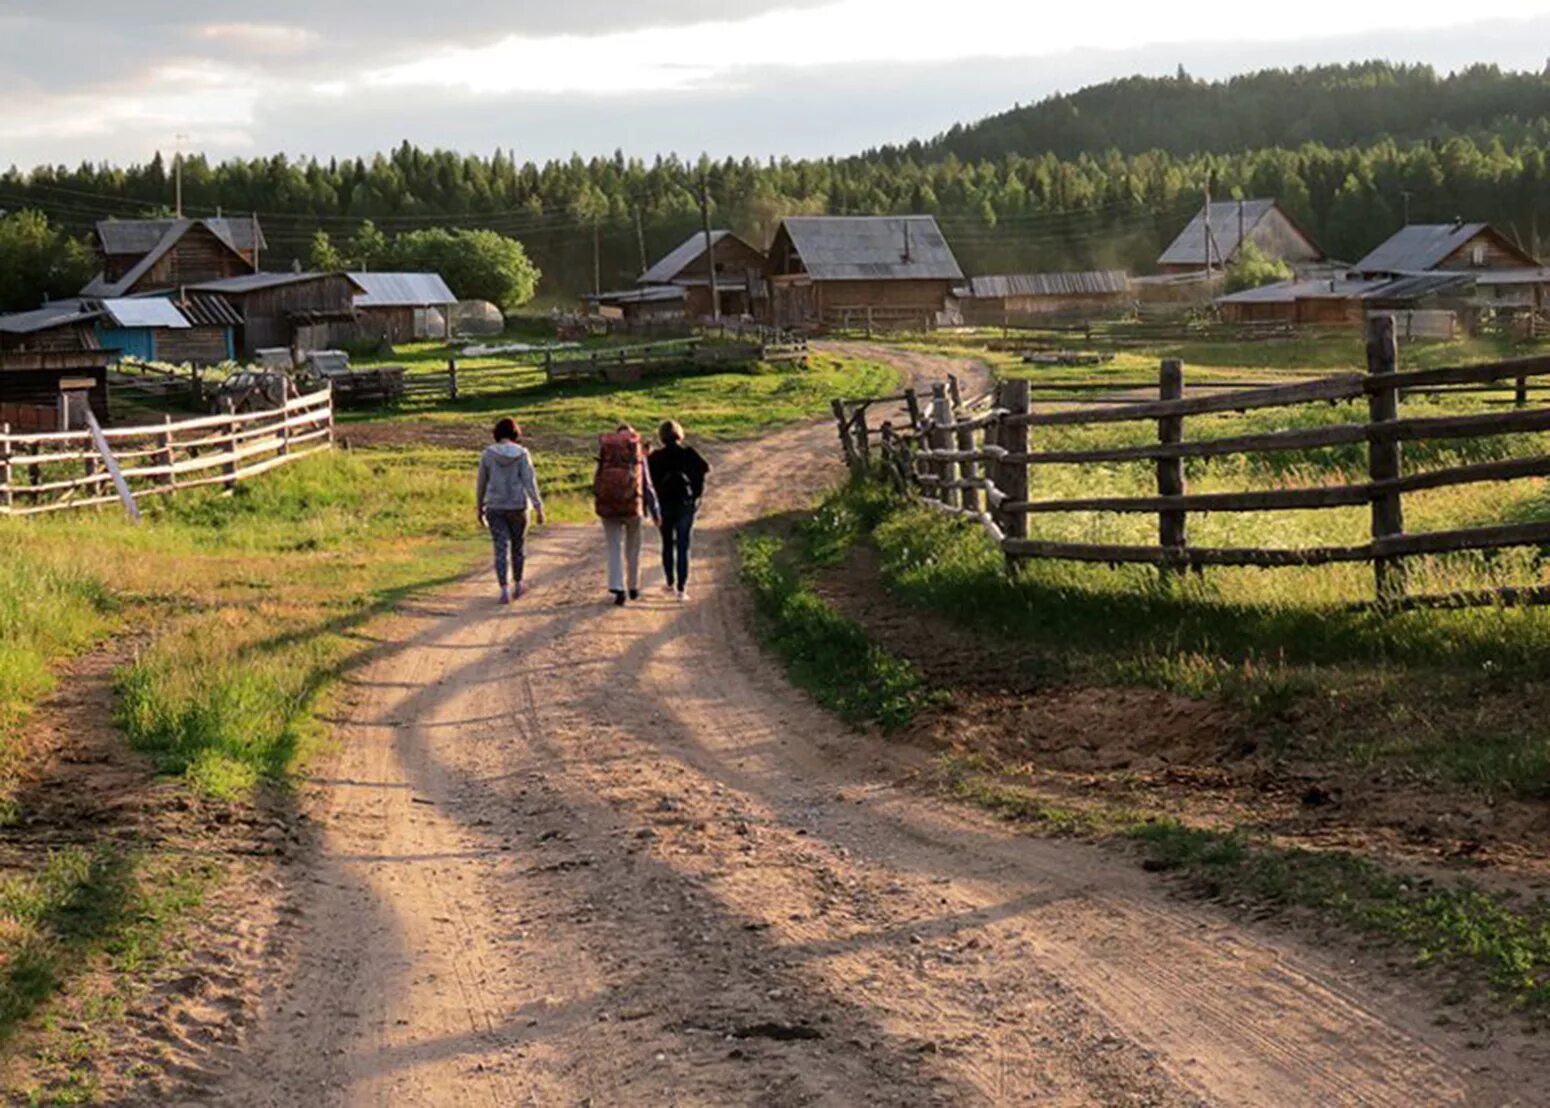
(683, 595)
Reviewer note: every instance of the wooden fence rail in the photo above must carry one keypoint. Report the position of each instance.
(976, 459)
(64, 469)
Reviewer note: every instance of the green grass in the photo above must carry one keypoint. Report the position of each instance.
(826, 654)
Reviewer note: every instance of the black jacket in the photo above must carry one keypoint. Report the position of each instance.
(678, 472)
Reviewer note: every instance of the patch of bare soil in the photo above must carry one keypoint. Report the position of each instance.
(1200, 759)
(78, 785)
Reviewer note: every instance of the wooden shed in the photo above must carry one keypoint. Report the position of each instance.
(303, 311)
(996, 298)
(1217, 234)
(648, 304)
(402, 307)
(51, 367)
(876, 271)
(739, 269)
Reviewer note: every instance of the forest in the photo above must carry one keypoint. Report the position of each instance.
(1349, 151)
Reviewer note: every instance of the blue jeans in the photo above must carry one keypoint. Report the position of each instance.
(508, 531)
(676, 531)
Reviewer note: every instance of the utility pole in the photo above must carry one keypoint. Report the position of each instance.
(710, 247)
(177, 176)
(1404, 197)
(640, 237)
(1205, 223)
(597, 256)
(1241, 228)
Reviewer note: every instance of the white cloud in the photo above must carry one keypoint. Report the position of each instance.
(263, 38)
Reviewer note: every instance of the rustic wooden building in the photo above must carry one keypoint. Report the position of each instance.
(302, 311)
(158, 255)
(650, 304)
(51, 367)
(994, 299)
(739, 270)
(194, 330)
(877, 271)
(402, 307)
(1453, 247)
(1217, 234)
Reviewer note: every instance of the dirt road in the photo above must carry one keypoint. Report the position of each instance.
(577, 855)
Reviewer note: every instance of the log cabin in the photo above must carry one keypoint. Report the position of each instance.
(995, 299)
(158, 255)
(887, 272)
(739, 270)
(1215, 237)
(51, 368)
(301, 311)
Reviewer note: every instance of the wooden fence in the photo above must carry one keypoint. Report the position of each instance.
(976, 458)
(64, 469)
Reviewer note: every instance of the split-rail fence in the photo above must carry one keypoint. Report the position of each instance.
(58, 470)
(977, 458)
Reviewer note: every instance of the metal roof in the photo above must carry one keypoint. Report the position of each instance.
(209, 311)
(1072, 283)
(1418, 247)
(1538, 276)
(650, 294)
(256, 282)
(402, 290)
(61, 313)
(1284, 292)
(672, 264)
(875, 247)
(145, 311)
(1417, 285)
(140, 236)
(1189, 248)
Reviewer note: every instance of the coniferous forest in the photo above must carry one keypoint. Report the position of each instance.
(1102, 177)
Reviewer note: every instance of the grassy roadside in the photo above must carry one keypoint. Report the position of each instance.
(1479, 937)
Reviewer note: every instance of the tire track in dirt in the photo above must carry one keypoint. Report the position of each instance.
(573, 854)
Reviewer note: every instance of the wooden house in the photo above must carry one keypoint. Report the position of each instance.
(194, 330)
(1217, 234)
(875, 271)
(51, 368)
(302, 311)
(649, 304)
(157, 255)
(739, 269)
(402, 307)
(1452, 247)
(994, 299)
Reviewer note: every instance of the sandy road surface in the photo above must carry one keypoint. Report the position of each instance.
(576, 855)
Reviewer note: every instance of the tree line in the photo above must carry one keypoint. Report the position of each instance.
(603, 219)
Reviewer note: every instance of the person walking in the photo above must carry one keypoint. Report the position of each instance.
(506, 489)
(678, 474)
(622, 493)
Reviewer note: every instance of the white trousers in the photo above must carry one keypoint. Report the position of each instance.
(622, 537)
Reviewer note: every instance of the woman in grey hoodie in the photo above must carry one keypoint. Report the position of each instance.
(508, 487)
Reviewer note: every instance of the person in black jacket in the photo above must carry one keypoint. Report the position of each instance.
(678, 473)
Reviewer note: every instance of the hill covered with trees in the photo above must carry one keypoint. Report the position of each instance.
(1075, 205)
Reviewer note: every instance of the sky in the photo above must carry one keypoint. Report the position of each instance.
(106, 80)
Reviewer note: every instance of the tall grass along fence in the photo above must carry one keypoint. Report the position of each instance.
(977, 458)
(68, 469)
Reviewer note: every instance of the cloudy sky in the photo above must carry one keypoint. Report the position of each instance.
(115, 80)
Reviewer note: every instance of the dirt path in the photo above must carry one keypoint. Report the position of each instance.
(576, 855)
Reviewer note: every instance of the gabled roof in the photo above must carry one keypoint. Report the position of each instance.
(1423, 246)
(173, 231)
(257, 282)
(872, 247)
(1073, 283)
(685, 254)
(402, 290)
(139, 236)
(144, 311)
(1189, 248)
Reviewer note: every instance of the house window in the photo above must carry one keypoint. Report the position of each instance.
(1477, 254)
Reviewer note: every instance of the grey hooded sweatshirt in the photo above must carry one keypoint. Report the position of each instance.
(507, 482)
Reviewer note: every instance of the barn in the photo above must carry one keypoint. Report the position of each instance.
(402, 307)
(1457, 247)
(845, 271)
(650, 304)
(1217, 234)
(303, 311)
(997, 298)
(156, 255)
(739, 267)
(157, 329)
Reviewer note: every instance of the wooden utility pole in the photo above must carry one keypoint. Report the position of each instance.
(1205, 223)
(710, 247)
(640, 238)
(597, 256)
(1241, 228)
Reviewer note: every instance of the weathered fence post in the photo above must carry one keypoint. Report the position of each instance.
(1384, 461)
(197, 382)
(863, 439)
(7, 497)
(229, 467)
(965, 441)
(942, 439)
(169, 478)
(1010, 472)
(842, 420)
(1520, 393)
(1172, 525)
(912, 405)
(452, 378)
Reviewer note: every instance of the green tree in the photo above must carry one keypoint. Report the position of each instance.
(369, 248)
(1251, 268)
(323, 255)
(39, 262)
(477, 265)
